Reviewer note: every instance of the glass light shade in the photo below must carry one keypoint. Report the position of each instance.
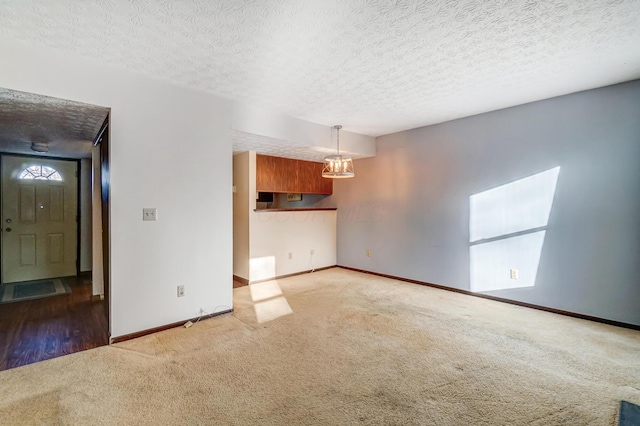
(338, 167)
(39, 147)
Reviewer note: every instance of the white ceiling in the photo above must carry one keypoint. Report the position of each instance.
(68, 128)
(375, 66)
(243, 141)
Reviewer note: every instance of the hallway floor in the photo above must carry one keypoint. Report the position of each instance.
(35, 330)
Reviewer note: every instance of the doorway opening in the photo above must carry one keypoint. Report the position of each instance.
(54, 229)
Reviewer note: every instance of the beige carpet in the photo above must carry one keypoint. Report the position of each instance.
(337, 347)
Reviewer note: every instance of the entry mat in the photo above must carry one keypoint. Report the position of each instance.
(29, 290)
(629, 414)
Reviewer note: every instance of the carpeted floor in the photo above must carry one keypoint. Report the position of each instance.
(339, 347)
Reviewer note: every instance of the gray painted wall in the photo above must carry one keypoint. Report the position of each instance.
(410, 204)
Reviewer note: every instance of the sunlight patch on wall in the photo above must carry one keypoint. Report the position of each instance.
(262, 268)
(507, 227)
(492, 262)
(514, 207)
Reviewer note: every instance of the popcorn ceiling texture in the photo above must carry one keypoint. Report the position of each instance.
(67, 127)
(375, 66)
(243, 141)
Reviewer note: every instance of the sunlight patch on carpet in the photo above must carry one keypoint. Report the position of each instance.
(271, 309)
(269, 303)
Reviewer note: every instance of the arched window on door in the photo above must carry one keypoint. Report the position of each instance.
(40, 173)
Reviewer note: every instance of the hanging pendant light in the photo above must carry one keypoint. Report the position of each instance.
(338, 166)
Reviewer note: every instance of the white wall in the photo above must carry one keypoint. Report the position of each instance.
(411, 203)
(85, 215)
(273, 235)
(241, 215)
(276, 234)
(258, 121)
(170, 149)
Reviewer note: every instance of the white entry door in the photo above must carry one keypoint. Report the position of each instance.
(39, 218)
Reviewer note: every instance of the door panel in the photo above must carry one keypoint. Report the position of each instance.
(56, 248)
(28, 204)
(39, 228)
(27, 250)
(56, 204)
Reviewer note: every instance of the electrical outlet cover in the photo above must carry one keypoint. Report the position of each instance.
(150, 213)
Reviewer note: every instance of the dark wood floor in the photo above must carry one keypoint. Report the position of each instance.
(35, 330)
(237, 284)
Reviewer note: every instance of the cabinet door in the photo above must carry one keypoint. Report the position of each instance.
(310, 180)
(306, 182)
(326, 184)
(289, 173)
(264, 173)
(275, 174)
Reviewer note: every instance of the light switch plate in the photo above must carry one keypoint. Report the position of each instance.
(149, 213)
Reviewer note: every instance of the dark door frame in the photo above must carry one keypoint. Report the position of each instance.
(102, 139)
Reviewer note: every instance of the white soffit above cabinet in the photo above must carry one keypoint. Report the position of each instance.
(243, 141)
(374, 66)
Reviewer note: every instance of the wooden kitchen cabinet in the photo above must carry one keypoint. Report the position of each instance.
(310, 180)
(276, 174)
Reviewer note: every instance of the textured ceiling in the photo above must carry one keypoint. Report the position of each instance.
(68, 128)
(375, 66)
(280, 148)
